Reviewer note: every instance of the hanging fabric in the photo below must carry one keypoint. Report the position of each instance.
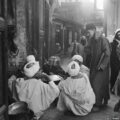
(53, 4)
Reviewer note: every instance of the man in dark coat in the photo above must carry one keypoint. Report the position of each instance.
(53, 67)
(114, 58)
(99, 66)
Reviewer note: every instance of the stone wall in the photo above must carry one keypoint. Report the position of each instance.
(15, 62)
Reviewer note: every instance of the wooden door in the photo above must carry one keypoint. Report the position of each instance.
(3, 61)
(3, 73)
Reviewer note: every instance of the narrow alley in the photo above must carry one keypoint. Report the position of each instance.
(59, 55)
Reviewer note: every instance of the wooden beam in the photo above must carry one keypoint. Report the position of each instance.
(2, 24)
(5, 59)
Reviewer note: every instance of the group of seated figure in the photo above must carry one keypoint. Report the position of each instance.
(74, 91)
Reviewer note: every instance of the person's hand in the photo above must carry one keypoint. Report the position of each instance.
(51, 73)
(45, 78)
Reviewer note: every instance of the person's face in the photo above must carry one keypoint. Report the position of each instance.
(88, 34)
(97, 34)
(30, 65)
(91, 32)
(78, 62)
(118, 35)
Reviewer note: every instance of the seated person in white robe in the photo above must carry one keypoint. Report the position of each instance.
(76, 94)
(37, 94)
(79, 60)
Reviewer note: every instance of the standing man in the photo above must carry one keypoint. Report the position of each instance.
(115, 58)
(99, 66)
(78, 48)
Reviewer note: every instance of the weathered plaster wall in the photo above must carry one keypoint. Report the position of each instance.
(15, 62)
(113, 15)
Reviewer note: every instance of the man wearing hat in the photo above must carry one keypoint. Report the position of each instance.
(79, 60)
(115, 67)
(76, 92)
(53, 67)
(115, 58)
(37, 94)
(99, 66)
(32, 66)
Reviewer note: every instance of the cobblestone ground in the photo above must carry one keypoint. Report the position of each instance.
(104, 114)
